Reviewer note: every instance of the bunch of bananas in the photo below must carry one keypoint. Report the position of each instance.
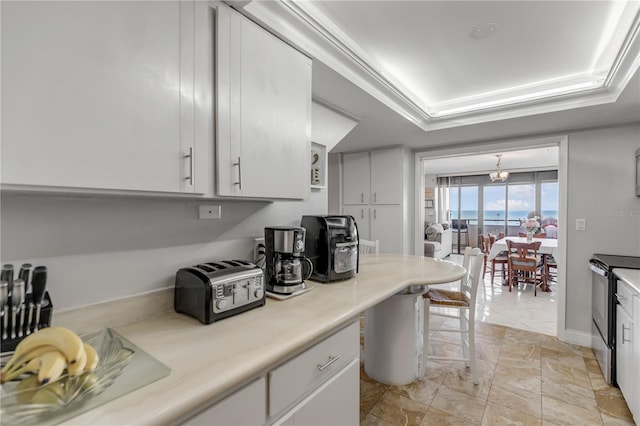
(47, 353)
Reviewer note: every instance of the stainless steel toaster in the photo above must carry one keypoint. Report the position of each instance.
(213, 291)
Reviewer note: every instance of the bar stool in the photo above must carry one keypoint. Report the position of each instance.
(465, 302)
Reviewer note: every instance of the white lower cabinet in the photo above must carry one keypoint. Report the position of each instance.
(634, 400)
(387, 227)
(628, 346)
(320, 386)
(380, 222)
(624, 357)
(248, 406)
(362, 216)
(334, 403)
(302, 376)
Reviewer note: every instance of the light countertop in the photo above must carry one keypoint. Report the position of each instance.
(210, 361)
(630, 276)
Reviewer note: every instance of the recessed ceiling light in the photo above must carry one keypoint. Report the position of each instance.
(484, 30)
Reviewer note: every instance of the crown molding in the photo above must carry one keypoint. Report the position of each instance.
(303, 26)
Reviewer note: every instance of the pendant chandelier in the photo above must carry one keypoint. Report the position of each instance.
(498, 175)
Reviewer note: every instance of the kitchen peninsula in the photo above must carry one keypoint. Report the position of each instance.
(211, 362)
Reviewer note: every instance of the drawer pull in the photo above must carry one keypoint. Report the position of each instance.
(332, 359)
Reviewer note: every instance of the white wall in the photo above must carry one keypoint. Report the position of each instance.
(98, 249)
(601, 188)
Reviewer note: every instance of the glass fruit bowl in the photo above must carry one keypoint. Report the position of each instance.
(24, 401)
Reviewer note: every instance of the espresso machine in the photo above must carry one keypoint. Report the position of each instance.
(285, 263)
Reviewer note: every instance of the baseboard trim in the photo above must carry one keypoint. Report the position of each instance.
(576, 337)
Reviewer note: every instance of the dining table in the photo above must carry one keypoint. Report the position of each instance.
(548, 246)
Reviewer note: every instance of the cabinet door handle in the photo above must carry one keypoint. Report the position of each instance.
(332, 359)
(623, 338)
(375, 213)
(375, 197)
(190, 157)
(239, 182)
(362, 213)
(362, 197)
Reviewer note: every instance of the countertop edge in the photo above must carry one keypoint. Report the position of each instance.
(629, 276)
(364, 291)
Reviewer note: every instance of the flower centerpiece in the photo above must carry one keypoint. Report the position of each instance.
(532, 225)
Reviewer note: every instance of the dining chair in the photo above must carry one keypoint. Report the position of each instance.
(501, 259)
(549, 264)
(551, 231)
(464, 301)
(525, 265)
(368, 246)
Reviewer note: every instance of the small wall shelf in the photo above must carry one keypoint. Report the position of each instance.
(318, 166)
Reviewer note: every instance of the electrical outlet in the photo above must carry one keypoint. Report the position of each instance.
(256, 243)
(210, 212)
(581, 224)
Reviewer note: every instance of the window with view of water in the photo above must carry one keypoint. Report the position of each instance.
(495, 207)
(521, 202)
(549, 199)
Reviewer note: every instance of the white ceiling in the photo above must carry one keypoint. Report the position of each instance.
(512, 161)
(396, 65)
(428, 48)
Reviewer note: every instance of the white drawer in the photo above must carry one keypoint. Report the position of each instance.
(296, 378)
(624, 294)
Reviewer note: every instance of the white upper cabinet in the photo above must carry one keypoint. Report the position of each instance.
(373, 193)
(99, 95)
(263, 111)
(386, 176)
(356, 178)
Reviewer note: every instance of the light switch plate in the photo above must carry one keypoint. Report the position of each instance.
(210, 212)
(581, 224)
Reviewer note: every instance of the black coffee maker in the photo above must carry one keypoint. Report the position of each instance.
(285, 263)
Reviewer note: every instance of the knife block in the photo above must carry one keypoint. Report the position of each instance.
(46, 315)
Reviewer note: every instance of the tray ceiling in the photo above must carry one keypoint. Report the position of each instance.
(448, 63)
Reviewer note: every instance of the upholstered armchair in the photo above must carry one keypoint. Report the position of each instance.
(437, 240)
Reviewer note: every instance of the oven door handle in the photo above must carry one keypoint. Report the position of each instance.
(598, 271)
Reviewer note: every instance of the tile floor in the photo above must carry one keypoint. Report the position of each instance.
(518, 308)
(527, 376)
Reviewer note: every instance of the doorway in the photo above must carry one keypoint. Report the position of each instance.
(487, 217)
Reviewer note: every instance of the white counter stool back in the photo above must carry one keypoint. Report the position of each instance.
(465, 302)
(368, 247)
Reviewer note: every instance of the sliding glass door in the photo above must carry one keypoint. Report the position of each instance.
(464, 216)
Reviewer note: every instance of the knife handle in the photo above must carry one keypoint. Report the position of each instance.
(38, 283)
(7, 275)
(25, 271)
